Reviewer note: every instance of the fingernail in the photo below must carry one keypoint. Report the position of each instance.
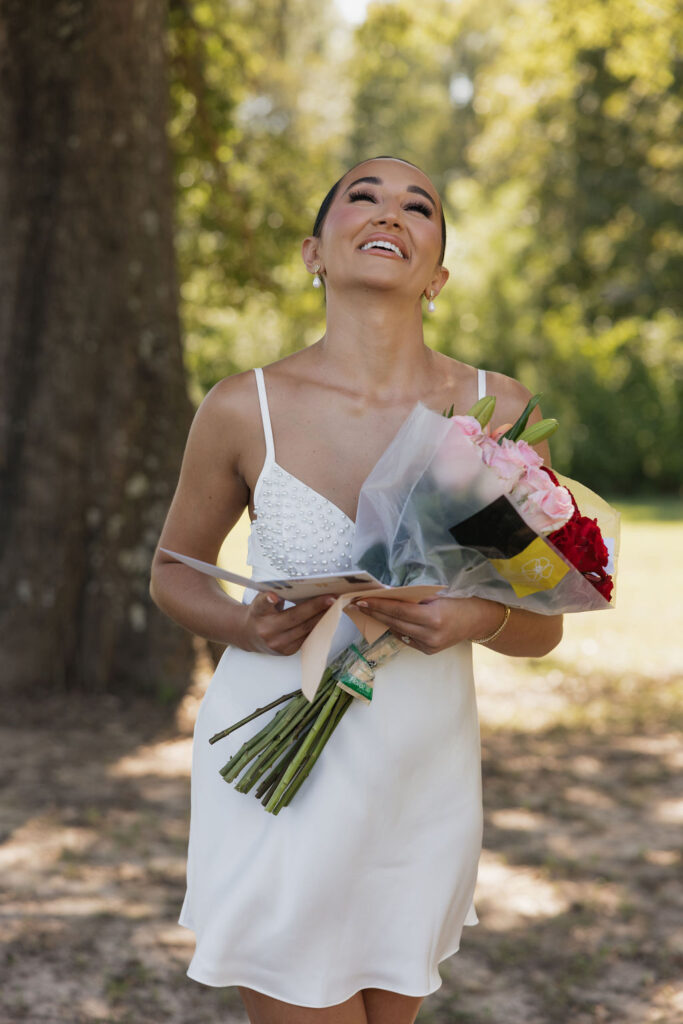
(329, 601)
(361, 604)
(273, 600)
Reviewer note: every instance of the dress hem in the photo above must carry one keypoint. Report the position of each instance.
(238, 978)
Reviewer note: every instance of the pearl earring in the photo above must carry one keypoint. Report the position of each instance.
(430, 305)
(316, 280)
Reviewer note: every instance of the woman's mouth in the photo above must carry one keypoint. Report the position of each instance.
(382, 247)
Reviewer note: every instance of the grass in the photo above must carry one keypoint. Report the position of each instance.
(662, 509)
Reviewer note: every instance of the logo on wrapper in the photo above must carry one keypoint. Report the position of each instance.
(535, 568)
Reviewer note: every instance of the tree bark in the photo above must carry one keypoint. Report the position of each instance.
(93, 405)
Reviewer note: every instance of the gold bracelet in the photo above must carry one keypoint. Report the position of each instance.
(496, 632)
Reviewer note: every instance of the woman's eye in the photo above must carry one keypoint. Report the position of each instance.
(421, 208)
(368, 197)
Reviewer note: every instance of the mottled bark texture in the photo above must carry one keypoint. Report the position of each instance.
(93, 406)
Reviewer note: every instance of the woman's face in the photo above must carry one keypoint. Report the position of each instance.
(383, 230)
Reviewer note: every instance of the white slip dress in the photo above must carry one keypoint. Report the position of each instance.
(366, 879)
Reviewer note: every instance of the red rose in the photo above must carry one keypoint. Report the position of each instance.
(602, 583)
(581, 543)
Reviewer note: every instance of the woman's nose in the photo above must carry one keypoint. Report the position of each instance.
(389, 214)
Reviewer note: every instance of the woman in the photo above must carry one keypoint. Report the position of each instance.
(338, 910)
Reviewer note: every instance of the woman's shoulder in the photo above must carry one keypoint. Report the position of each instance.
(507, 391)
(232, 396)
(460, 379)
(506, 388)
(236, 397)
(228, 415)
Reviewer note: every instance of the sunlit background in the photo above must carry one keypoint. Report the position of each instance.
(553, 133)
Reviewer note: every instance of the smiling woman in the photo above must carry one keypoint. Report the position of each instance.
(369, 196)
(340, 909)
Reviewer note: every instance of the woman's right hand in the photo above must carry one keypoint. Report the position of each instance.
(270, 628)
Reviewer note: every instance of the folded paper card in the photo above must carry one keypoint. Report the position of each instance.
(346, 586)
(295, 588)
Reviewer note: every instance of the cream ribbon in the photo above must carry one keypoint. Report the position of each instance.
(316, 647)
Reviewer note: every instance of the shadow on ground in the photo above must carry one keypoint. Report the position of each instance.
(578, 896)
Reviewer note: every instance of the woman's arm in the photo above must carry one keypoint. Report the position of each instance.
(209, 499)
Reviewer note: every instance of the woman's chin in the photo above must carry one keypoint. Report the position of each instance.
(378, 283)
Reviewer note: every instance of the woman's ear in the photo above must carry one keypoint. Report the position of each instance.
(436, 284)
(309, 253)
(439, 280)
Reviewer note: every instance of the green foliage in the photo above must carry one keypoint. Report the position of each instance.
(553, 134)
(560, 180)
(250, 128)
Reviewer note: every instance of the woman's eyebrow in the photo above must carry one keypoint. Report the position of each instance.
(378, 181)
(373, 181)
(416, 188)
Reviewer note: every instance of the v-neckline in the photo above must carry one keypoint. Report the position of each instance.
(308, 487)
(270, 460)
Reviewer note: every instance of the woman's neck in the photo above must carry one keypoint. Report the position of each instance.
(377, 345)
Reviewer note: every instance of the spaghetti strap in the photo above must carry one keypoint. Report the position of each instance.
(265, 416)
(481, 383)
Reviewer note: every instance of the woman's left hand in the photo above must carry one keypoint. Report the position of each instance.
(438, 623)
(442, 622)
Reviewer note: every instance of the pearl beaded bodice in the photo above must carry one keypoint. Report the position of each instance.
(297, 531)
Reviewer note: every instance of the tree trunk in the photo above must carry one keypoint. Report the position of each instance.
(93, 406)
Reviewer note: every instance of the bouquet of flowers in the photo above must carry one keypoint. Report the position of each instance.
(449, 506)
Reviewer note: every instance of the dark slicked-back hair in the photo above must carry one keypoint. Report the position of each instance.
(327, 201)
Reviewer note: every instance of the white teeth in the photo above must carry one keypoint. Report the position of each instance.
(381, 244)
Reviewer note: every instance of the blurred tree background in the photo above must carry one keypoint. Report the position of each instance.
(93, 402)
(553, 132)
(552, 129)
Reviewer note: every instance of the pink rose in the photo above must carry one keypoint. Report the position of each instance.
(503, 460)
(520, 454)
(535, 480)
(544, 505)
(469, 426)
(530, 457)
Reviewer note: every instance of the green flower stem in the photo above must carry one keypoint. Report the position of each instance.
(274, 750)
(268, 756)
(246, 752)
(253, 746)
(272, 736)
(254, 714)
(270, 783)
(335, 718)
(297, 698)
(307, 744)
(281, 755)
(251, 743)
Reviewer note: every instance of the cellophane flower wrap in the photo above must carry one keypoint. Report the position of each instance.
(446, 504)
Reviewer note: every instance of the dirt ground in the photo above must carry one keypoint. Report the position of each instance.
(579, 893)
